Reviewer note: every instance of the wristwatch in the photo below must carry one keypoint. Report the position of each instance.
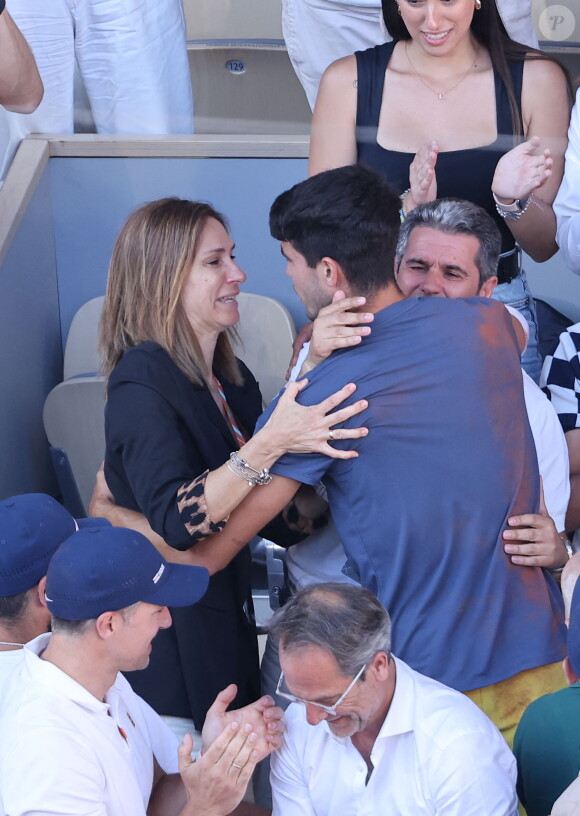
(517, 206)
(566, 542)
(513, 211)
(569, 550)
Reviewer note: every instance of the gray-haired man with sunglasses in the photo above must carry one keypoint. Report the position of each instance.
(387, 739)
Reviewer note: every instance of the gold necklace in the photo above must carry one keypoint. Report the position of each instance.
(442, 94)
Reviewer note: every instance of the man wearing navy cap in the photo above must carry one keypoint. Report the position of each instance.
(32, 526)
(75, 739)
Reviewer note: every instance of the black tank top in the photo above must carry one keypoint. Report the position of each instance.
(464, 173)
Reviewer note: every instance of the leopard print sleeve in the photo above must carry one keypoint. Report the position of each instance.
(192, 509)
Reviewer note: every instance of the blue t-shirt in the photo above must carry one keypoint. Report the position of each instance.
(448, 458)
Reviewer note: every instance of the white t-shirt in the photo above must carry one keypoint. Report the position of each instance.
(63, 751)
(9, 661)
(320, 557)
(436, 754)
(551, 449)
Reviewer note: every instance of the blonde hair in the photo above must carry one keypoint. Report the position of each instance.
(151, 260)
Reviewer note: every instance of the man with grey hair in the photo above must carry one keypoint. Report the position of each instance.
(448, 227)
(386, 738)
(451, 248)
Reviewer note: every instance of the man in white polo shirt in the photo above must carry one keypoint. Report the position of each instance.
(368, 735)
(75, 739)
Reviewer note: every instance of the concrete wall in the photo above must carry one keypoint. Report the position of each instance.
(30, 348)
(92, 198)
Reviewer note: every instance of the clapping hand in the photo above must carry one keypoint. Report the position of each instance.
(521, 171)
(263, 716)
(422, 177)
(216, 783)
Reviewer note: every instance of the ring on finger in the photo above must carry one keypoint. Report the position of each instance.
(330, 435)
(235, 765)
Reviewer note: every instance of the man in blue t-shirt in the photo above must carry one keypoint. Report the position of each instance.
(449, 456)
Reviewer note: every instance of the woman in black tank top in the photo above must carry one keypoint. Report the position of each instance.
(455, 108)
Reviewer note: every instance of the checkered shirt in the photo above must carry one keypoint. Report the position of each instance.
(561, 378)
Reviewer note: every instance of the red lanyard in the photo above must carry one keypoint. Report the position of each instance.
(239, 434)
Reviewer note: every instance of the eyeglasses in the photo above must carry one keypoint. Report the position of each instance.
(329, 709)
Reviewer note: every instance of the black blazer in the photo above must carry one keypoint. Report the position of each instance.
(161, 431)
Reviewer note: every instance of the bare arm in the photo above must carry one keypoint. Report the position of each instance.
(546, 114)
(168, 794)
(261, 506)
(181, 501)
(21, 88)
(103, 506)
(216, 551)
(332, 136)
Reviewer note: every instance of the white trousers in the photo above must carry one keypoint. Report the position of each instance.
(317, 32)
(132, 57)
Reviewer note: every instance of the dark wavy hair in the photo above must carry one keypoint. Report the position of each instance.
(488, 29)
(348, 213)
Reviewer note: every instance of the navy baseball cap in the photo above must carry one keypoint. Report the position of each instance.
(574, 630)
(109, 568)
(32, 527)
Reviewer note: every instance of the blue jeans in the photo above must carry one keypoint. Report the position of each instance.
(517, 294)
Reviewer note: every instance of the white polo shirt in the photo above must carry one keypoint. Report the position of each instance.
(551, 450)
(9, 661)
(63, 751)
(436, 753)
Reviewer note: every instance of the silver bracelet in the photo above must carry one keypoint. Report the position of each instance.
(237, 473)
(566, 542)
(251, 475)
(512, 212)
(569, 550)
(402, 197)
